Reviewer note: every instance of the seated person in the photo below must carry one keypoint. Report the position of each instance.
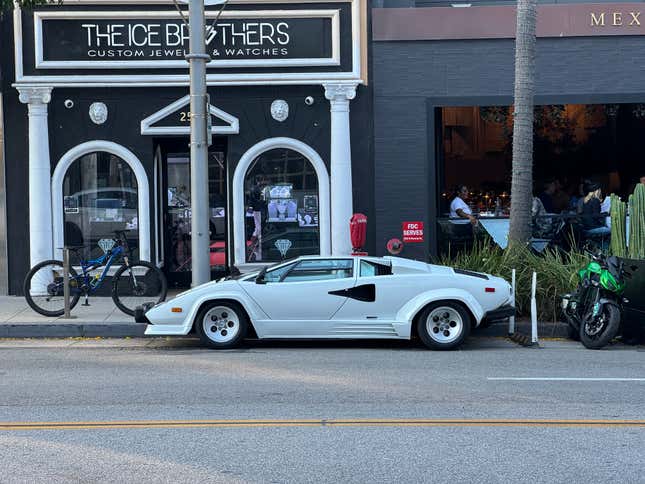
(547, 195)
(460, 212)
(593, 222)
(542, 225)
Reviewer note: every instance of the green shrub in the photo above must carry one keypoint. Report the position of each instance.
(556, 272)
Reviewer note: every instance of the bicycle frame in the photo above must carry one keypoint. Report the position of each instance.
(105, 260)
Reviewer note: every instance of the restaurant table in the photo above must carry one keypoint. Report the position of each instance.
(498, 228)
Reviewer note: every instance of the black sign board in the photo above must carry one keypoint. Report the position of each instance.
(161, 39)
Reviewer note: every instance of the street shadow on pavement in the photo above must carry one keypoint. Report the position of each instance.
(472, 344)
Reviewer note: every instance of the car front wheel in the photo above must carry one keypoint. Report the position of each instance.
(443, 325)
(221, 325)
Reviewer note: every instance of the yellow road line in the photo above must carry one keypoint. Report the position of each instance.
(151, 424)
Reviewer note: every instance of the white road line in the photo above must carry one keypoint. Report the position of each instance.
(503, 378)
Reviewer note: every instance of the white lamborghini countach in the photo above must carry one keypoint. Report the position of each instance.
(336, 297)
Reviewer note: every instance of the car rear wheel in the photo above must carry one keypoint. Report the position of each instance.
(443, 325)
(221, 325)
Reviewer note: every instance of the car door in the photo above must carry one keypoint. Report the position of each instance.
(300, 299)
(389, 293)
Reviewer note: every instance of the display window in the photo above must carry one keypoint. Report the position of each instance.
(100, 195)
(281, 199)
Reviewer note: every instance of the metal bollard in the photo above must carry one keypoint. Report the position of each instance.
(511, 320)
(66, 294)
(534, 330)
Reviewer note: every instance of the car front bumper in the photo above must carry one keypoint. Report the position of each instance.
(140, 313)
(499, 314)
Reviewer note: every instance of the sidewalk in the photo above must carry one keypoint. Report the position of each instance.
(103, 319)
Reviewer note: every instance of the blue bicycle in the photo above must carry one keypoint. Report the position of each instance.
(133, 284)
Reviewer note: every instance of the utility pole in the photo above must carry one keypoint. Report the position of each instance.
(197, 59)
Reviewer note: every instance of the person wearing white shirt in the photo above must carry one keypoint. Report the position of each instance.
(460, 212)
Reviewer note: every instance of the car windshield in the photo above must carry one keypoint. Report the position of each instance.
(252, 275)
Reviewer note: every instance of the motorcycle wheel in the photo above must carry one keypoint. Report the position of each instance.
(596, 335)
(572, 332)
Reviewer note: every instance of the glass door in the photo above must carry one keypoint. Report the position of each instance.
(177, 211)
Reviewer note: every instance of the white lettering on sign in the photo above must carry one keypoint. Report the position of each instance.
(174, 35)
(412, 231)
(616, 19)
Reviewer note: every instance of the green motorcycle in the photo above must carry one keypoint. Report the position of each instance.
(594, 310)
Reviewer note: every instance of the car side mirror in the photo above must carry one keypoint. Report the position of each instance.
(259, 279)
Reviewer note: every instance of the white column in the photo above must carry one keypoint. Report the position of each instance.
(40, 211)
(339, 96)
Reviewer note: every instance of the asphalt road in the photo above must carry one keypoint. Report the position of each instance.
(170, 411)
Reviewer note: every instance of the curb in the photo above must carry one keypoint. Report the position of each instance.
(71, 330)
(134, 330)
(545, 330)
(523, 340)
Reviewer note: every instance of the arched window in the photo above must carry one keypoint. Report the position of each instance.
(281, 200)
(100, 195)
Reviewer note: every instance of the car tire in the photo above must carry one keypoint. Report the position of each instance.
(221, 325)
(443, 325)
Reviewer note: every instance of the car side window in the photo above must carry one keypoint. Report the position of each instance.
(276, 275)
(321, 270)
(371, 269)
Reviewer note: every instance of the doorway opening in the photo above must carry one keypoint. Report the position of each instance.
(174, 218)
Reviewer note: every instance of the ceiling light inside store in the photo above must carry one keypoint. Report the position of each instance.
(460, 5)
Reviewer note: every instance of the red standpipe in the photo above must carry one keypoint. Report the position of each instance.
(358, 233)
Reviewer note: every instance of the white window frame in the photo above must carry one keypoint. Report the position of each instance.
(324, 216)
(143, 192)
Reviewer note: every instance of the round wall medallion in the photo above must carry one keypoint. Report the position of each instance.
(279, 110)
(98, 113)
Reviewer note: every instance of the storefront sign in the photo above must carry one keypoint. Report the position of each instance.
(615, 18)
(498, 21)
(412, 232)
(66, 40)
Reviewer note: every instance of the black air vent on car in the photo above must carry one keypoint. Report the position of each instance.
(470, 273)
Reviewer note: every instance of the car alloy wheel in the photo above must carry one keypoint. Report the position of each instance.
(444, 324)
(221, 324)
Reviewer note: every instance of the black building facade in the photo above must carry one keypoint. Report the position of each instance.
(97, 127)
(443, 86)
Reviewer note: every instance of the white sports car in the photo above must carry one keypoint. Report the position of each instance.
(336, 297)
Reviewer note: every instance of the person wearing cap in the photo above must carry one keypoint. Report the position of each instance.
(593, 222)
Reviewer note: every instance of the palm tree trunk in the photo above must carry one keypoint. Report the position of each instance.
(522, 181)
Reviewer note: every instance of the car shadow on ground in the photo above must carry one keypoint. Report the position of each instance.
(473, 343)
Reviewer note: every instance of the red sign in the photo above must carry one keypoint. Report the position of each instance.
(412, 231)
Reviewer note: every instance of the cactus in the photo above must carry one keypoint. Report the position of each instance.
(617, 211)
(637, 223)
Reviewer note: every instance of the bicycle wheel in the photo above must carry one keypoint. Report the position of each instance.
(138, 283)
(43, 288)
